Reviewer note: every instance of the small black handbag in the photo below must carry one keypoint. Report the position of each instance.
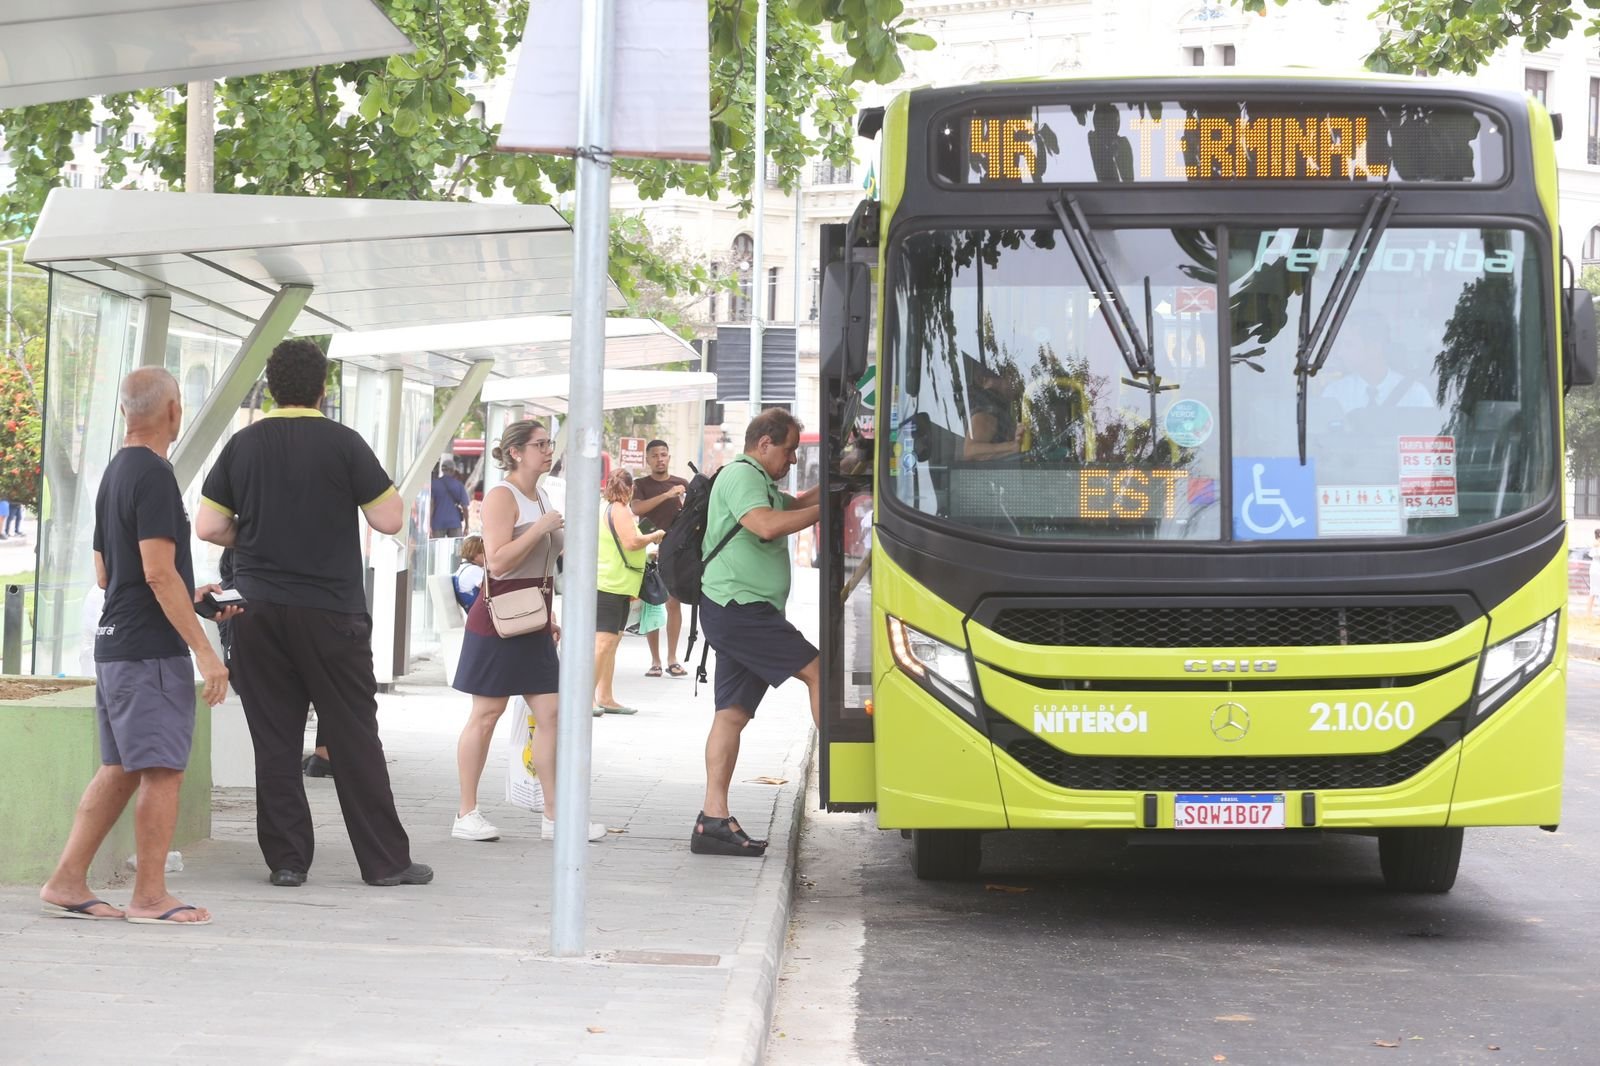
(652, 589)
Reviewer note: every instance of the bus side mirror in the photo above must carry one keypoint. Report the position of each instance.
(845, 311)
(1580, 337)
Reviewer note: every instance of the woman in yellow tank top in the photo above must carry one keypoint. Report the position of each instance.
(619, 574)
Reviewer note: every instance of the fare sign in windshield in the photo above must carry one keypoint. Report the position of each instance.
(1219, 141)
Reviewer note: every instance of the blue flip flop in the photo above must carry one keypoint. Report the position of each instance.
(80, 910)
(166, 919)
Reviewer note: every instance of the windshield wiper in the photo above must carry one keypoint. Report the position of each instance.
(1316, 341)
(1134, 345)
(1119, 319)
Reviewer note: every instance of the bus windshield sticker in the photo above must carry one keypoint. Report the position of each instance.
(1189, 423)
(1274, 499)
(1428, 477)
(1219, 140)
(1358, 511)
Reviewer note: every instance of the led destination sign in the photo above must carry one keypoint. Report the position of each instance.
(1217, 143)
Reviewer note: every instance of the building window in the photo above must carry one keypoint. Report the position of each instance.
(1594, 121)
(772, 294)
(1225, 55)
(1537, 82)
(772, 174)
(816, 293)
(1196, 56)
(1586, 497)
(826, 173)
(1591, 246)
(716, 271)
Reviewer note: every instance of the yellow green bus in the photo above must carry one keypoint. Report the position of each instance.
(1212, 433)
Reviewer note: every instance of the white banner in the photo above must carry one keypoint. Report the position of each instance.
(660, 81)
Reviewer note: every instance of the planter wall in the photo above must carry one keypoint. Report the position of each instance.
(51, 749)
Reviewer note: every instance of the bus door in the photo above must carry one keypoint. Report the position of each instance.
(847, 436)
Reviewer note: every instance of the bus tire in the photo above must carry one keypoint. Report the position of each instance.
(945, 854)
(1419, 860)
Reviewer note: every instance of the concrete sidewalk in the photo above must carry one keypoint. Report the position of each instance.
(684, 949)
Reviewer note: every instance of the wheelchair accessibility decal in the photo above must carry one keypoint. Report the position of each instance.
(1274, 499)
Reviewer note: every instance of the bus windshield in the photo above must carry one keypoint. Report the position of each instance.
(1013, 411)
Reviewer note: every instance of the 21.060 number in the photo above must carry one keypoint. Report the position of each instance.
(1362, 717)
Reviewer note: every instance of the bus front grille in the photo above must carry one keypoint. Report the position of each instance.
(1310, 773)
(1224, 627)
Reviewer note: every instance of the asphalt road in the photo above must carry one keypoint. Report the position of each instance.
(1074, 949)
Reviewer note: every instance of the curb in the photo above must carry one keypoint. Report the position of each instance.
(754, 981)
(1583, 651)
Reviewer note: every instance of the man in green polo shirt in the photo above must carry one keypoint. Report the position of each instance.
(742, 596)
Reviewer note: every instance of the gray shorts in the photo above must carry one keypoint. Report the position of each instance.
(145, 711)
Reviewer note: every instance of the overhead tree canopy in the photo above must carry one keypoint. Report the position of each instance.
(1430, 36)
(407, 128)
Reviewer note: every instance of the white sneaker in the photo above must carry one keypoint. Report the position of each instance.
(547, 830)
(474, 826)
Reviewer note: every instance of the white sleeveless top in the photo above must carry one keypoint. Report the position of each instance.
(540, 562)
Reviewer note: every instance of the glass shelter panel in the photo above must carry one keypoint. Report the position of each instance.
(93, 342)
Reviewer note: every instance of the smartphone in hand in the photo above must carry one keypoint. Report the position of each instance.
(212, 603)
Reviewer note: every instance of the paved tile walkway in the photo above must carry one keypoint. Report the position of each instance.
(457, 971)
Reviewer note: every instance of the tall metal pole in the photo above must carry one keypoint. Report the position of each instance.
(584, 414)
(199, 161)
(799, 256)
(758, 273)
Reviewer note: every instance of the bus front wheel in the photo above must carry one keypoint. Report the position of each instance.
(945, 854)
(1419, 860)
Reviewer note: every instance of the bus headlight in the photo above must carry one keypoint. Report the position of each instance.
(1512, 663)
(941, 669)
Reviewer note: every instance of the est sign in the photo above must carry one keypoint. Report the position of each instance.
(631, 451)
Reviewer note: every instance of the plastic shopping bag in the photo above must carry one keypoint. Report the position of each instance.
(652, 616)
(522, 781)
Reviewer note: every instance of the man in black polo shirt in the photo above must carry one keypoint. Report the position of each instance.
(284, 496)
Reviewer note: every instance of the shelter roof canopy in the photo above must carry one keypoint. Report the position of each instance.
(371, 264)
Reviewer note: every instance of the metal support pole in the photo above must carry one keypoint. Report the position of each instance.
(11, 641)
(758, 272)
(585, 412)
(206, 426)
(799, 259)
(153, 335)
(395, 383)
(199, 138)
(444, 429)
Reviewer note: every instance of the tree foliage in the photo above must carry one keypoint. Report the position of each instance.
(408, 127)
(1430, 36)
(21, 375)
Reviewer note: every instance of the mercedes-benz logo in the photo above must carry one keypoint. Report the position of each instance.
(1230, 722)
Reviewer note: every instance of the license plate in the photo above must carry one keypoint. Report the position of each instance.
(1227, 810)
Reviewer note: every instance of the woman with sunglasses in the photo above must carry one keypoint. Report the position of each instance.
(522, 537)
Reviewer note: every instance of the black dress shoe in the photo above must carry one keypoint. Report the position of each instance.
(415, 874)
(314, 765)
(287, 878)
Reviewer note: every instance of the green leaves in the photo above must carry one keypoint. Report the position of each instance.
(1430, 36)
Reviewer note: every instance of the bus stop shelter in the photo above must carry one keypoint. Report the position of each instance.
(207, 286)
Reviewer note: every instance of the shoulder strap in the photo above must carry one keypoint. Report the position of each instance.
(723, 543)
(620, 553)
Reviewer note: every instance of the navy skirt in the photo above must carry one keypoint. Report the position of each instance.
(492, 665)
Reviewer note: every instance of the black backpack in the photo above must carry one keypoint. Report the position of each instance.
(682, 556)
